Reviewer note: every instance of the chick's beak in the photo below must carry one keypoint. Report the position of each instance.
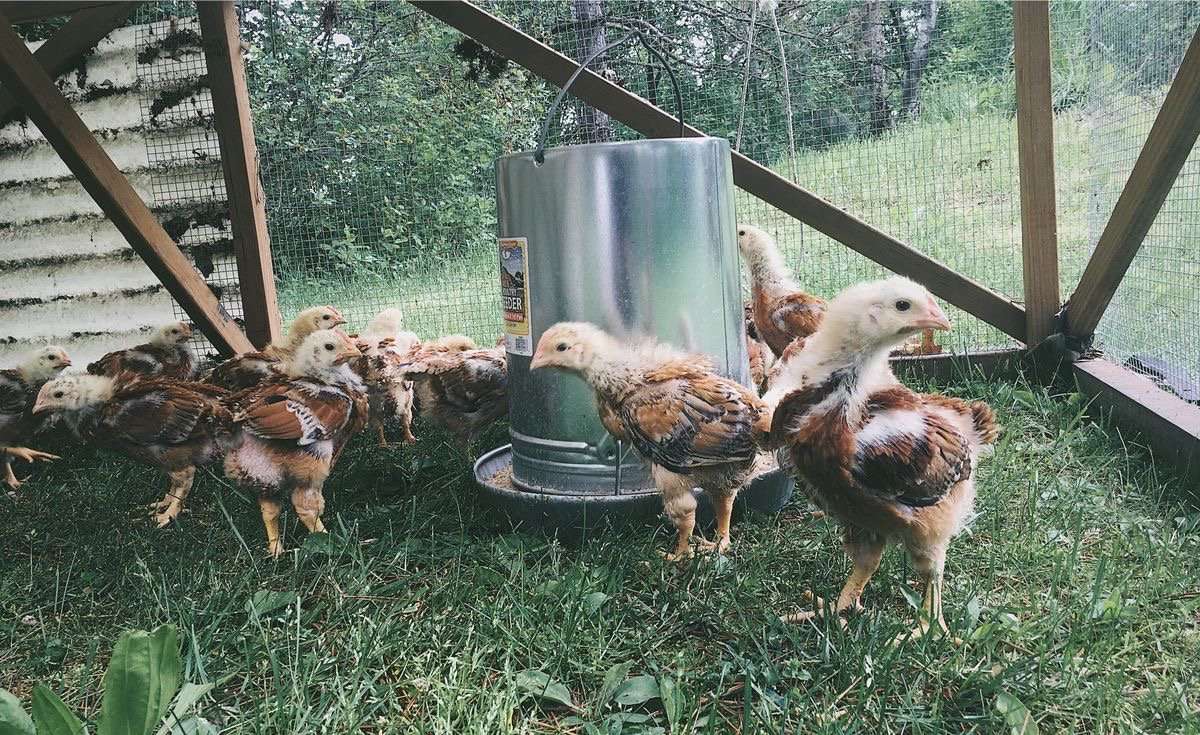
(934, 317)
(66, 362)
(185, 333)
(40, 404)
(539, 359)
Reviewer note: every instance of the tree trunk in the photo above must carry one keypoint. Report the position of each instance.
(918, 57)
(875, 50)
(592, 125)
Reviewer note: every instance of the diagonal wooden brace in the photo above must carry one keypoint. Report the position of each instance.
(35, 91)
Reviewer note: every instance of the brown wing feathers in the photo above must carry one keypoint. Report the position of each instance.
(684, 419)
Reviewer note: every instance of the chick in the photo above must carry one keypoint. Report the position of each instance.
(781, 311)
(464, 391)
(293, 429)
(19, 387)
(166, 355)
(171, 424)
(695, 427)
(758, 354)
(385, 344)
(889, 464)
(251, 368)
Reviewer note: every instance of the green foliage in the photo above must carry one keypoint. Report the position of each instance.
(141, 682)
(376, 151)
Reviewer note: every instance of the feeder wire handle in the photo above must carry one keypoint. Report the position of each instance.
(539, 155)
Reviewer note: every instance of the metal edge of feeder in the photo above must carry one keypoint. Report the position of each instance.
(569, 514)
(695, 140)
(575, 515)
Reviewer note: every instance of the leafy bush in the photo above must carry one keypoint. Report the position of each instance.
(140, 684)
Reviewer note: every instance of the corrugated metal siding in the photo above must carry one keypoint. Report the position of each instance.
(66, 275)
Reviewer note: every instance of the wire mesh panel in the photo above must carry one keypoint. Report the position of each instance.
(183, 151)
(378, 126)
(1113, 65)
(867, 105)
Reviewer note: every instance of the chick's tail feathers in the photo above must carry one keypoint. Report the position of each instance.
(984, 420)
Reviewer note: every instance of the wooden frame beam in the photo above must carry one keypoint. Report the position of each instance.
(639, 114)
(239, 159)
(22, 12)
(83, 31)
(1167, 423)
(35, 91)
(1035, 149)
(1171, 139)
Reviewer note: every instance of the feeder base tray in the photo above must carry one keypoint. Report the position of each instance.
(575, 515)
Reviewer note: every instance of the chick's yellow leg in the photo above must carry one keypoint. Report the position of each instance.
(270, 516)
(9, 478)
(309, 504)
(169, 508)
(29, 455)
(723, 503)
(680, 507)
(865, 552)
(929, 563)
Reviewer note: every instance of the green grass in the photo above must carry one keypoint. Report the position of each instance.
(1075, 588)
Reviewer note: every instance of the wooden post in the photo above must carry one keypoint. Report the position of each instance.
(1035, 147)
(1166, 149)
(751, 176)
(83, 31)
(34, 90)
(239, 159)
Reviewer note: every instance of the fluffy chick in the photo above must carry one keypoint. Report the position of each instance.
(251, 368)
(695, 427)
(166, 355)
(781, 311)
(170, 424)
(890, 464)
(19, 387)
(758, 354)
(385, 344)
(463, 390)
(293, 429)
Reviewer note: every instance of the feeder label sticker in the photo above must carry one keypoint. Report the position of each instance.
(514, 295)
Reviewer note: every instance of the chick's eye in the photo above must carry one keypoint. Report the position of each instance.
(58, 394)
(329, 346)
(903, 305)
(562, 347)
(741, 233)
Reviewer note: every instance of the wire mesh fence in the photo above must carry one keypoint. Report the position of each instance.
(806, 88)
(1114, 64)
(378, 127)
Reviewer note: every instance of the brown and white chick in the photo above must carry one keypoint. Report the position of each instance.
(695, 427)
(385, 344)
(464, 391)
(166, 355)
(782, 312)
(758, 354)
(251, 368)
(293, 429)
(889, 464)
(19, 387)
(170, 424)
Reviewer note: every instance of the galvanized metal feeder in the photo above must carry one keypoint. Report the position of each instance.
(639, 238)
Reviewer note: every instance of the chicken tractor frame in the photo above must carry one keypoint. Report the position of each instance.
(1056, 334)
